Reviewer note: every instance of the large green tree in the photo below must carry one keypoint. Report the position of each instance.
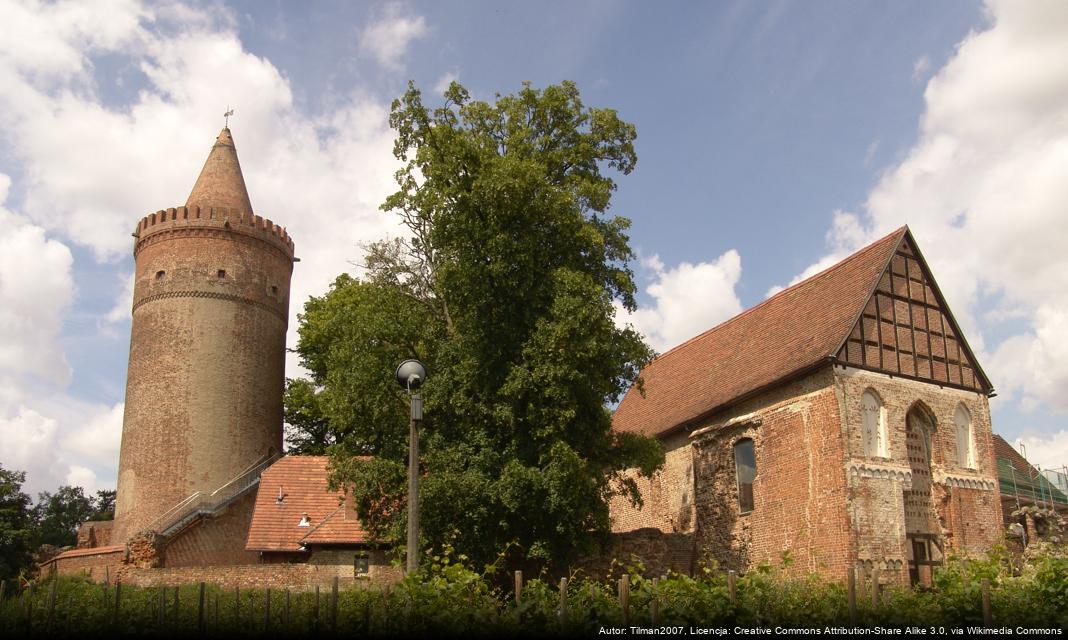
(58, 515)
(504, 284)
(16, 524)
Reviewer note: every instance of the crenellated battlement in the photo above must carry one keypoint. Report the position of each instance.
(222, 219)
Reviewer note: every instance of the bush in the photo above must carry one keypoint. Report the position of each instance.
(450, 597)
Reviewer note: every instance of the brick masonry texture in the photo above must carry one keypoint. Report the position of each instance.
(207, 349)
(966, 500)
(821, 501)
(215, 541)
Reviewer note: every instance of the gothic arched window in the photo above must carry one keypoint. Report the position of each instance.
(965, 441)
(874, 421)
(745, 470)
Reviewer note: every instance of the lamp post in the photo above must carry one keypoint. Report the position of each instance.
(410, 376)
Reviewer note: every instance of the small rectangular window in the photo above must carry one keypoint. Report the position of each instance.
(361, 565)
(745, 469)
(160, 274)
(222, 273)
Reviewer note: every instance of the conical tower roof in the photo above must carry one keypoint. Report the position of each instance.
(220, 183)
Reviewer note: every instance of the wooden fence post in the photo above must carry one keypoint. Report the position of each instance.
(200, 610)
(654, 605)
(851, 593)
(624, 598)
(563, 602)
(518, 586)
(732, 586)
(333, 606)
(27, 606)
(988, 617)
(316, 608)
(3, 591)
(118, 605)
(216, 613)
(875, 587)
(51, 603)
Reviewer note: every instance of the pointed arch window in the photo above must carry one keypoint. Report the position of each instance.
(745, 470)
(874, 422)
(965, 439)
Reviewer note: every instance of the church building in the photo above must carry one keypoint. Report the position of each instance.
(843, 422)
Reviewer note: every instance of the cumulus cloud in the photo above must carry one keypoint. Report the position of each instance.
(89, 169)
(387, 37)
(920, 68)
(1048, 451)
(687, 299)
(444, 81)
(35, 289)
(43, 431)
(984, 188)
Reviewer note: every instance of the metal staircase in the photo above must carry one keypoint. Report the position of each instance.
(201, 504)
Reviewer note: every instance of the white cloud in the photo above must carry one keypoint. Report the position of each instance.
(1047, 451)
(28, 440)
(124, 301)
(388, 37)
(845, 237)
(35, 289)
(984, 188)
(90, 170)
(920, 68)
(689, 299)
(444, 81)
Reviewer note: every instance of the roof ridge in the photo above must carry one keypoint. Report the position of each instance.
(857, 254)
(324, 521)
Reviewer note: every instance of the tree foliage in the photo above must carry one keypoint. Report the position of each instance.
(504, 285)
(58, 515)
(16, 524)
(308, 431)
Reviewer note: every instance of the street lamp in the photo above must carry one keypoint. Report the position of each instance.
(410, 376)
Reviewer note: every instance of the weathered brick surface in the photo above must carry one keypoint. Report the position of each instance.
(207, 345)
(819, 499)
(99, 564)
(94, 533)
(799, 490)
(649, 549)
(219, 540)
(668, 497)
(319, 569)
(966, 505)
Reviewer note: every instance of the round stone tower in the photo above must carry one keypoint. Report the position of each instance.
(207, 350)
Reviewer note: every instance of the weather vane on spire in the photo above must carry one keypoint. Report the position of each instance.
(226, 116)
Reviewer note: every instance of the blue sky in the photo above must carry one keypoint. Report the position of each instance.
(773, 139)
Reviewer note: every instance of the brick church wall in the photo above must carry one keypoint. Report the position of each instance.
(799, 490)
(966, 501)
(668, 496)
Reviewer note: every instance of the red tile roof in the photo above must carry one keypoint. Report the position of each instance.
(91, 551)
(1005, 451)
(793, 331)
(303, 483)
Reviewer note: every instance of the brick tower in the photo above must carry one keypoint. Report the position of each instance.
(207, 350)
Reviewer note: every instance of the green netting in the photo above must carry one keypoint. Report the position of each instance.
(1027, 484)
